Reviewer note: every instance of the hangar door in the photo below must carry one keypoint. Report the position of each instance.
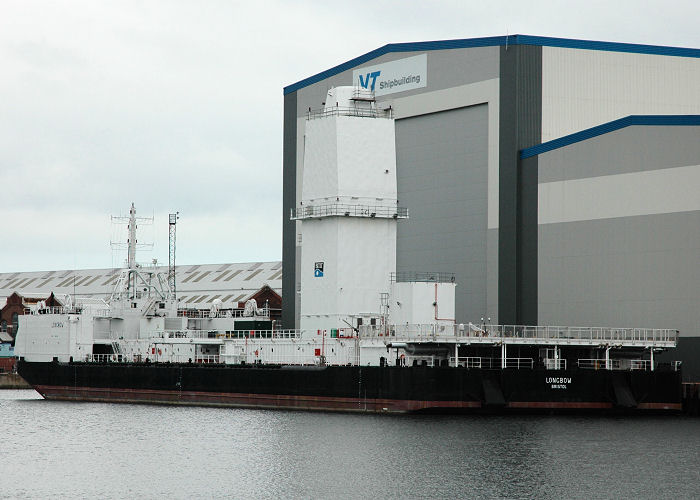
(442, 176)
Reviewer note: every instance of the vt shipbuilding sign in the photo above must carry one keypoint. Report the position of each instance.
(395, 76)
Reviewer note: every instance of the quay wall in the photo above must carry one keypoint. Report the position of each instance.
(13, 381)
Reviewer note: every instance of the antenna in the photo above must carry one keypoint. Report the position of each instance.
(131, 245)
(172, 221)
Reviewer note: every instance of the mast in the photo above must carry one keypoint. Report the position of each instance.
(131, 241)
(171, 255)
(135, 280)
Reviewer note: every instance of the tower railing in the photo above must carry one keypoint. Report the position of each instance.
(414, 276)
(345, 210)
(359, 111)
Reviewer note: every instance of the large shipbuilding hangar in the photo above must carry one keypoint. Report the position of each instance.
(559, 180)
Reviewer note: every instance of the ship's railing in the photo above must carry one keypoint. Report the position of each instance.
(108, 358)
(474, 362)
(519, 363)
(555, 364)
(425, 361)
(556, 334)
(614, 364)
(298, 358)
(359, 111)
(598, 334)
(640, 364)
(418, 332)
(362, 94)
(154, 358)
(263, 312)
(54, 310)
(207, 358)
(227, 334)
(599, 364)
(491, 363)
(184, 358)
(260, 334)
(346, 210)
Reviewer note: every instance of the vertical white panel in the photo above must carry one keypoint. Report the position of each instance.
(320, 178)
(366, 158)
(350, 161)
(585, 88)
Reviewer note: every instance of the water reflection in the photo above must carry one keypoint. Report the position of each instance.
(115, 451)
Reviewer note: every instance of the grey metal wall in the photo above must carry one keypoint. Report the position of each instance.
(520, 126)
(627, 150)
(442, 178)
(289, 176)
(639, 270)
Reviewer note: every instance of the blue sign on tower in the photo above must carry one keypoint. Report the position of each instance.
(318, 270)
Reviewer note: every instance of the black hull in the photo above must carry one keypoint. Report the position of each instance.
(360, 389)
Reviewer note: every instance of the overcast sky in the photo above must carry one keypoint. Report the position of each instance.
(177, 106)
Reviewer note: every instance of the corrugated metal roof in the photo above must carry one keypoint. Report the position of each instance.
(225, 281)
(189, 277)
(202, 276)
(276, 275)
(221, 275)
(67, 281)
(253, 275)
(82, 280)
(233, 275)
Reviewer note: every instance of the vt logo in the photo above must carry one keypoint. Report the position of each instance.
(364, 82)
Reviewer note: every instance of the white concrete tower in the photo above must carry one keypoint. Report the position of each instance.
(348, 210)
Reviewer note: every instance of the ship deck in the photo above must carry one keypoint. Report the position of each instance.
(525, 335)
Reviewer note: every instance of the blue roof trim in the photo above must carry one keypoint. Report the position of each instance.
(607, 128)
(399, 47)
(492, 42)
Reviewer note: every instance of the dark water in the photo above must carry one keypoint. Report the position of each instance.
(69, 450)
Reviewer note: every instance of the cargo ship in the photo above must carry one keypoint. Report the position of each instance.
(370, 339)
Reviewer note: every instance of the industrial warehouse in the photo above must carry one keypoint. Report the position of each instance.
(558, 180)
(198, 287)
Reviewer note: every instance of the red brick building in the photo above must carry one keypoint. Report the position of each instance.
(17, 305)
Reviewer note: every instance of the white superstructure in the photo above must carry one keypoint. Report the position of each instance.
(348, 210)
